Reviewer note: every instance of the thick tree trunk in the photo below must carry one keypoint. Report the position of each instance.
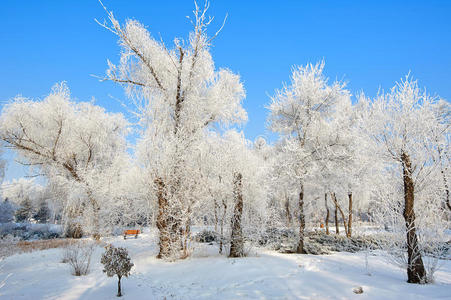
(416, 272)
(237, 241)
(162, 221)
(119, 293)
(349, 215)
(327, 213)
(300, 248)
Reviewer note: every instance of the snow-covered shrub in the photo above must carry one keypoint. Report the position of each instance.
(28, 231)
(282, 240)
(78, 256)
(206, 236)
(285, 241)
(116, 261)
(320, 243)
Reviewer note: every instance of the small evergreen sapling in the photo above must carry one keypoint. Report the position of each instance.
(116, 261)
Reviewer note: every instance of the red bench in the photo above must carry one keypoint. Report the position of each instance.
(134, 232)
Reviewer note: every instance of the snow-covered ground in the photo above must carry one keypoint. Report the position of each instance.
(206, 275)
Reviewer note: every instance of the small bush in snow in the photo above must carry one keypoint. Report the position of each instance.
(78, 256)
(320, 243)
(278, 239)
(116, 261)
(207, 236)
(285, 241)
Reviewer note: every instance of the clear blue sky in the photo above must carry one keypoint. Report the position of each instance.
(370, 44)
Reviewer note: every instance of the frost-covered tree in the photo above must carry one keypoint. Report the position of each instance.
(6, 211)
(408, 132)
(300, 113)
(42, 214)
(234, 171)
(116, 261)
(176, 94)
(72, 143)
(25, 210)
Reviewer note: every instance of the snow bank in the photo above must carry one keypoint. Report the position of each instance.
(269, 275)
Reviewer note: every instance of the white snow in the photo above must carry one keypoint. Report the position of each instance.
(207, 275)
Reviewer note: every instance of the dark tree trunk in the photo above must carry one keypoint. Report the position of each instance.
(300, 249)
(162, 221)
(237, 241)
(119, 293)
(337, 229)
(349, 215)
(327, 213)
(216, 215)
(416, 272)
(221, 241)
(443, 171)
(338, 207)
(445, 182)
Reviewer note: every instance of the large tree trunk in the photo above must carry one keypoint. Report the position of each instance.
(327, 213)
(119, 292)
(300, 249)
(237, 241)
(416, 272)
(162, 220)
(349, 215)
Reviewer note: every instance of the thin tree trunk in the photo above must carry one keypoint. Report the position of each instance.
(287, 211)
(300, 249)
(443, 171)
(416, 272)
(327, 214)
(119, 293)
(162, 221)
(337, 206)
(96, 209)
(186, 234)
(350, 215)
(237, 241)
(224, 204)
(216, 215)
(337, 230)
